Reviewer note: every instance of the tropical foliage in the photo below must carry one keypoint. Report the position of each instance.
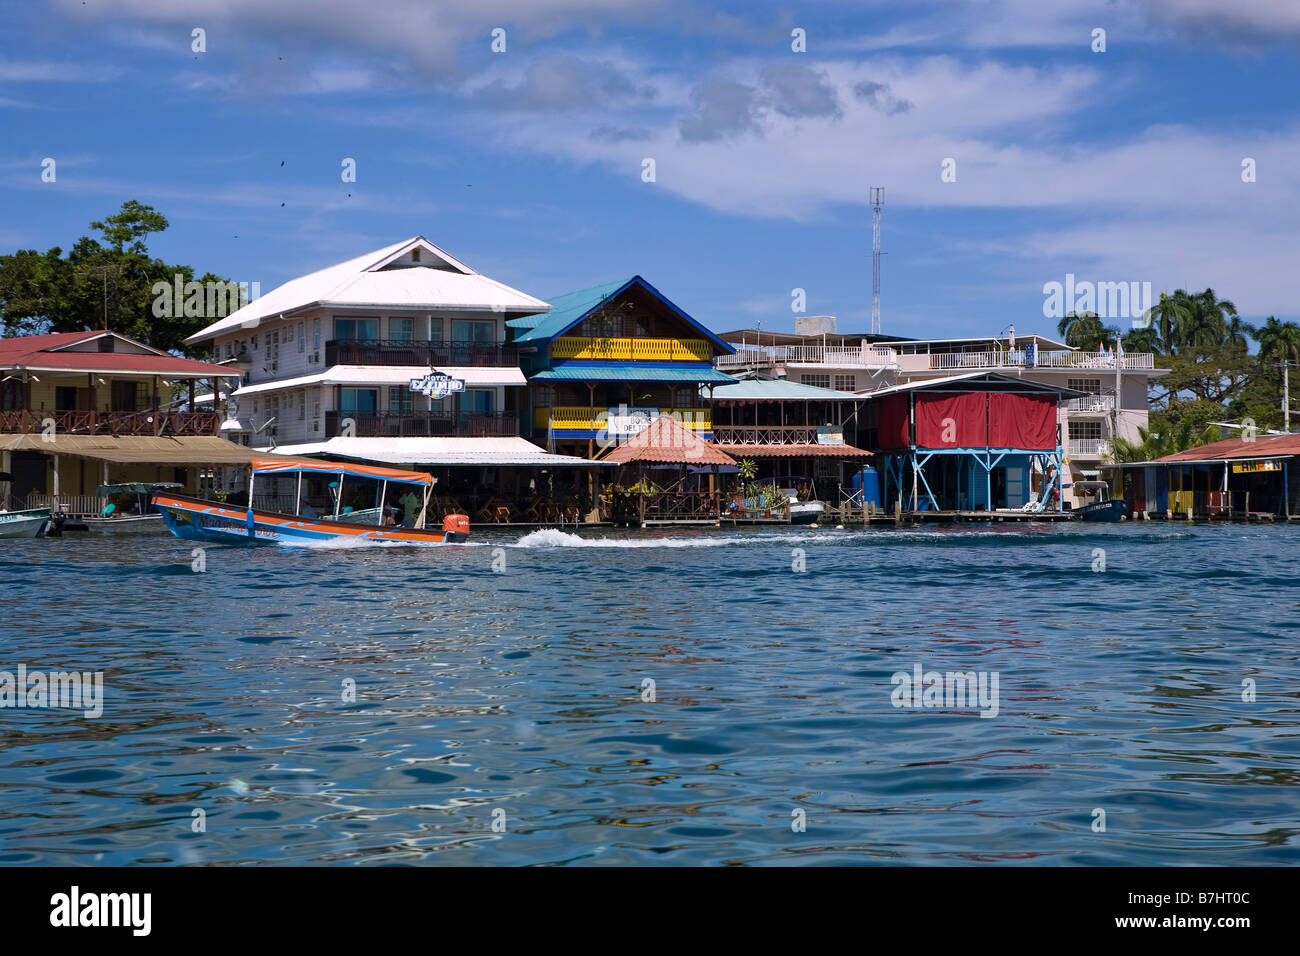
(102, 283)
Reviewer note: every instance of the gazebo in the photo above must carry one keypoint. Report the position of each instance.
(666, 445)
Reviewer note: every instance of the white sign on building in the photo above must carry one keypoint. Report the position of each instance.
(437, 385)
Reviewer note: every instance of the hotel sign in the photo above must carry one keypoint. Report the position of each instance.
(1251, 467)
(830, 435)
(624, 422)
(437, 385)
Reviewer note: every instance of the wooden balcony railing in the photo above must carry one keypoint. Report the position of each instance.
(172, 424)
(582, 418)
(765, 434)
(631, 350)
(423, 424)
(399, 352)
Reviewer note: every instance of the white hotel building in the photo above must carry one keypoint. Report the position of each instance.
(328, 359)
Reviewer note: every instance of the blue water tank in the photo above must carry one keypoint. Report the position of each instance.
(869, 482)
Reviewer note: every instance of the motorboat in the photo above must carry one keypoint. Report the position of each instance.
(195, 519)
(1105, 508)
(113, 518)
(24, 523)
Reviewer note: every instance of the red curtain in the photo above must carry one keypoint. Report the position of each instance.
(948, 420)
(1022, 421)
(891, 422)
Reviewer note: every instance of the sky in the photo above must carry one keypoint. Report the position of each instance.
(515, 135)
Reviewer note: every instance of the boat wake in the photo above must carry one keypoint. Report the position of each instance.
(553, 538)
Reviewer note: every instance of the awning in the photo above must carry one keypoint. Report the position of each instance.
(272, 466)
(136, 449)
(500, 452)
(794, 451)
(473, 377)
(633, 372)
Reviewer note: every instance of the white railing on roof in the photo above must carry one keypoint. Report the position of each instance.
(1092, 403)
(852, 356)
(1018, 359)
(1088, 447)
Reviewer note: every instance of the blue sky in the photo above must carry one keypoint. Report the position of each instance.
(1123, 165)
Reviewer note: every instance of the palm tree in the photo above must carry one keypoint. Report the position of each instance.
(1084, 330)
(1278, 341)
(1143, 340)
(1171, 317)
(1211, 317)
(1237, 333)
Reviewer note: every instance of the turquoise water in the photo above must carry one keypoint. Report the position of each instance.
(516, 697)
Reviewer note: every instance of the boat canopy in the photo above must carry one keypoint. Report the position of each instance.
(271, 466)
(135, 488)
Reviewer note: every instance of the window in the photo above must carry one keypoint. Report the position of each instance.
(302, 405)
(356, 330)
(478, 401)
(401, 330)
(315, 403)
(817, 380)
(435, 330)
(65, 398)
(358, 401)
(543, 396)
(400, 400)
(480, 333)
(1083, 431)
(685, 398)
(846, 383)
(315, 334)
(1090, 385)
(302, 338)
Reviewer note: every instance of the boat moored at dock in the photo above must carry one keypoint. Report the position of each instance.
(404, 523)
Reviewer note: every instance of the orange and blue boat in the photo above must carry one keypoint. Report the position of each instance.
(385, 519)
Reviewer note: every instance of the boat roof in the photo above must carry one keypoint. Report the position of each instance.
(266, 466)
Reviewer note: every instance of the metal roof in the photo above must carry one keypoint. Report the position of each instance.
(1261, 446)
(477, 376)
(443, 283)
(632, 372)
(137, 449)
(568, 310)
(512, 451)
(572, 305)
(779, 390)
(976, 378)
(794, 451)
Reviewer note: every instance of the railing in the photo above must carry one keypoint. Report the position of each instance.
(72, 504)
(765, 434)
(1088, 447)
(623, 506)
(864, 356)
(1091, 403)
(111, 423)
(631, 350)
(582, 418)
(424, 424)
(416, 352)
(1019, 359)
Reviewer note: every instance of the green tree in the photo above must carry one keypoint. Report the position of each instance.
(1085, 331)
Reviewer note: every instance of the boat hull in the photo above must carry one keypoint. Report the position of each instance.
(23, 524)
(196, 520)
(127, 524)
(1112, 510)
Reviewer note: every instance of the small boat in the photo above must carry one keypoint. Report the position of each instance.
(23, 524)
(113, 519)
(197, 520)
(802, 510)
(1104, 508)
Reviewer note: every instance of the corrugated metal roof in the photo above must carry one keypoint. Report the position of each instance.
(779, 390)
(665, 441)
(976, 378)
(439, 451)
(632, 372)
(1261, 446)
(136, 449)
(364, 282)
(571, 306)
(388, 375)
(794, 451)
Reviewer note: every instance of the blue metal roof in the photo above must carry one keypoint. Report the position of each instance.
(779, 389)
(632, 372)
(570, 309)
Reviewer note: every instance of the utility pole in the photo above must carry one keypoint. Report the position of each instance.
(877, 200)
(1286, 396)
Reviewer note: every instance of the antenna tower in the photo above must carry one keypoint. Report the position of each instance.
(877, 200)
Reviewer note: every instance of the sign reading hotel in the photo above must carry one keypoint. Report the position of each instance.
(437, 385)
(1250, 467)
(624, 422)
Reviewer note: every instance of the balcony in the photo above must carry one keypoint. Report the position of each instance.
(964, 361)
(424, 425)
(839, 356)
(1091, 405)
(152, 423)
(765, 434)
(582, 418)
(1088, 447)
(424, 353)
(631, 350)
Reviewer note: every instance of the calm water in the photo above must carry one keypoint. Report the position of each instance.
(518, 695)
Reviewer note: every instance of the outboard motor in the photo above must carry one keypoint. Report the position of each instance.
(456, 527)
(53, 527)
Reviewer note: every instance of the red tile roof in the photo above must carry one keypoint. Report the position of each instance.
(1262, 446)
(37, 352)
(665, 441)
(794, 451)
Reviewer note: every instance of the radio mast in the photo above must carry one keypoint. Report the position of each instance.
(877, 200)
